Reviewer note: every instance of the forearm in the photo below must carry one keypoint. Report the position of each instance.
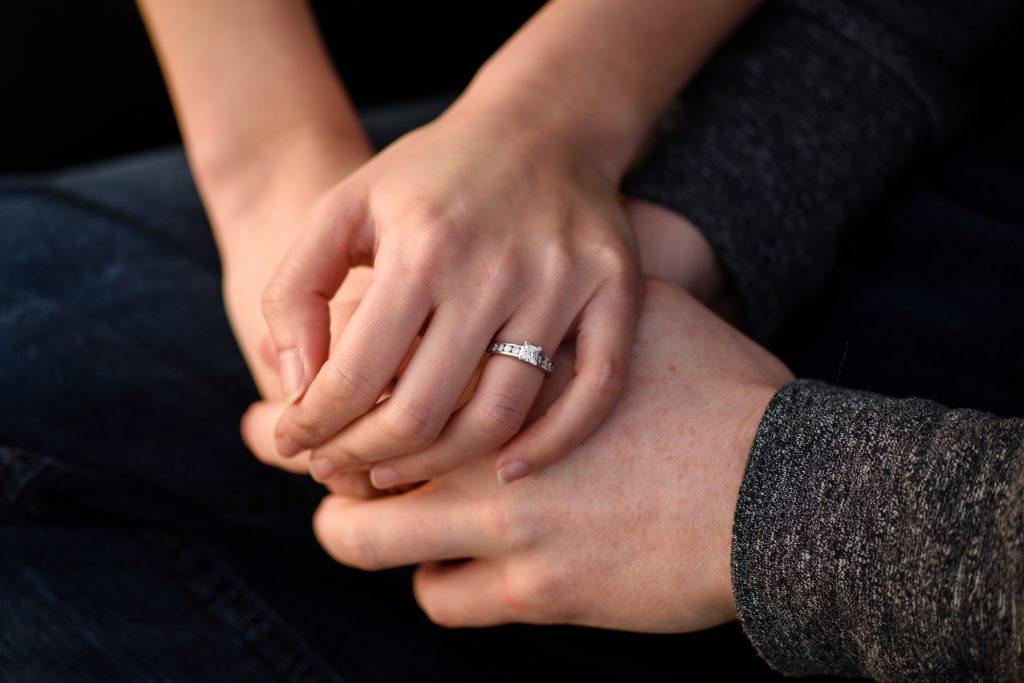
(254, 93)
(881, 537)
(600, 73)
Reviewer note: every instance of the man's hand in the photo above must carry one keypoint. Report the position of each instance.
(632, 531)
(675, 250)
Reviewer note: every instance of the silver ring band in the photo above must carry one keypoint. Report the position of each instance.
(526, 352)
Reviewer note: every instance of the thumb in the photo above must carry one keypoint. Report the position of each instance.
(296, 300)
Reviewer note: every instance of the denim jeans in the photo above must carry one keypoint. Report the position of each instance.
(139, 540)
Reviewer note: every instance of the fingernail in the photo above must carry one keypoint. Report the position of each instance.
(287, 447)
(322, 469)
(292, 374)
(511, 471)
(383, 477)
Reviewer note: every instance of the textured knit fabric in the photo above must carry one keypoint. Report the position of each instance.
(874, 536)
(882, 537)
(801, 124)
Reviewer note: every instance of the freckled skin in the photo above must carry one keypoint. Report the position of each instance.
(611, 536)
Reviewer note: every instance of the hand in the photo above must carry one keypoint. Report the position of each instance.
(674, 250)
(258, 212)
(632, 531)
(479, 228)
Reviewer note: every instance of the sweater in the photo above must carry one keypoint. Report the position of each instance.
(873, 536)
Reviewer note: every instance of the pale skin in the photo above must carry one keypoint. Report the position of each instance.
(498, 220)
(293, 173)
(632, 531)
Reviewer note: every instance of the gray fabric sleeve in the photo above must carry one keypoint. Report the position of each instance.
(802, 121)
(883, 538)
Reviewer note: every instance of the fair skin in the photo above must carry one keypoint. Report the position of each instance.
(632, 531)
(499, 220)
(270, 176)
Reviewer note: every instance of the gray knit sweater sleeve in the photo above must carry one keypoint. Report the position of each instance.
(803, 120)
(882, 537)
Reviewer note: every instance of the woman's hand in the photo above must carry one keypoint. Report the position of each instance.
(480, 227)
(257, 216)
(497, 223)
(631, 531)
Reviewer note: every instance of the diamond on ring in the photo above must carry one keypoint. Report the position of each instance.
(526, 352)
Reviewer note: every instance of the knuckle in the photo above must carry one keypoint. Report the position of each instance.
(608, 378)
(413, 424)
(276, 297)
(515, 524)
(428, 251)
(561, 256)
(536, 593)
(305, 429)
(500, 416)
(341, 457)
(429, 227)
(351, 382)
(616, 262)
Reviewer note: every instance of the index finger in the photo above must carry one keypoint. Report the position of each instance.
(362, 364)
(426, 524)
(295, 301)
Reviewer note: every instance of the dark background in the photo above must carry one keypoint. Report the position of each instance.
(79, 81)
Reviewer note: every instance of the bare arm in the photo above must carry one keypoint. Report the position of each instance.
(268, 128)
(600, 73)
(499, 220)
(255, 94)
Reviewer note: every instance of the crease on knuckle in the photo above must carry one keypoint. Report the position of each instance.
(607, 379)
(305, 429)
(412, 424)
(341, 457)
(350, 382)
(276, 298)
(500, 416)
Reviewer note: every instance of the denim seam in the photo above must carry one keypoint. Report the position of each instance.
(220, 592)
(19, 473)
(105, 211)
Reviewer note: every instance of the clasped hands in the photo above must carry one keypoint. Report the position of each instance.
(638, 445)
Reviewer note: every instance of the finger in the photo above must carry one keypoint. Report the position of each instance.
(362, 364)
(603, 348)
(257, 432)
(423, 398)
(257, 427)
(353, 485)
(295, 301)
(420, 526)
(465, 594)
(496, 411)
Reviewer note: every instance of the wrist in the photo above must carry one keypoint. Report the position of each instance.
(749, 408)
(278, 180)
(554, 117)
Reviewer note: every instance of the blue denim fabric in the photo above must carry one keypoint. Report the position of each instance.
(139, 540)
